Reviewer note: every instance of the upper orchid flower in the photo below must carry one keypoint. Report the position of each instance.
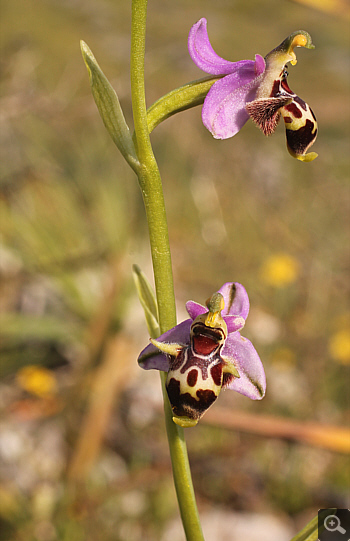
(257, 89)
(206, 353)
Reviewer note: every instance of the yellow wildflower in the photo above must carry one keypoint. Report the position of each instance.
(280, 270)
(339, 346)
(37, 380)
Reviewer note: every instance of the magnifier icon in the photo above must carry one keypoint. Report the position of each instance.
(332, 524)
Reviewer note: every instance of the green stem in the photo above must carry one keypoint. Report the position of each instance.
(149, 176)
(183, 98)
(151, 187)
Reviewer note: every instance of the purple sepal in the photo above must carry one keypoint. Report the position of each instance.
(224, 110)
(234, 323)
(195, 309)
(252, 380)
(151, 358)
(202, 53)
(236, 300)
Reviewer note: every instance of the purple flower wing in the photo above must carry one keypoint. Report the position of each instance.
(236, 300)
(202, 53)
(224, 112)
(241, 352)
(151, 358)
(195, 309)
(234, 323)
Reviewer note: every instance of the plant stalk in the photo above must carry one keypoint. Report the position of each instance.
(152, 192)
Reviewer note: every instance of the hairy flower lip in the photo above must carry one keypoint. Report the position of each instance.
(276, 99)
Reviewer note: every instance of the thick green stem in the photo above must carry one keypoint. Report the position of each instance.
(151, 187)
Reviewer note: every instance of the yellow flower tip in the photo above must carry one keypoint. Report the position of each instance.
(37, 380)
(307, 157)
(300, 38)
(299, 41)
(185, 422)
(303, 157)
(285, 51)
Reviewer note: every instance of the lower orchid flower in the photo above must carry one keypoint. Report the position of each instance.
(256, 89)
(207, 353)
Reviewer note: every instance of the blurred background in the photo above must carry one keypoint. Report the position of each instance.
(83, 450)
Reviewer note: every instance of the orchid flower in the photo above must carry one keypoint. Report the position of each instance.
(205, 354)
(256, 89)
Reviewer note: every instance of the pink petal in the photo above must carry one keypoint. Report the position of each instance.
(202, 53)
(236, 300)
(234, 323)
(260, 65)
(252, 381)
(195, 309)
(224, 111)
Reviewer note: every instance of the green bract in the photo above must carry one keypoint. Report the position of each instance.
(109, 107)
